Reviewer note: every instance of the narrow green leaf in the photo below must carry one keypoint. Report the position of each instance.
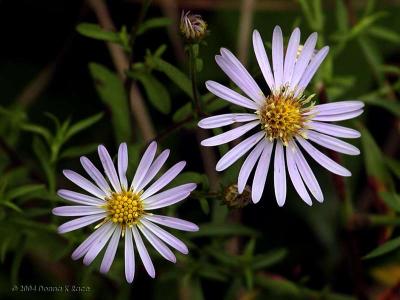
(77, 151)
(155, 91)
(392, 200)
(81, 125)
(383, 249)
(376, 167)
(94, 31)
(111, 91)
(12, 206)
(44, 158)
(24, 190)
(391, 106)
(183, 113)
(385, 34)
(153, 23)
(211, 229)
(268, 259)
(341, 16)
(40, 130)
(393, 165)
(175, 75)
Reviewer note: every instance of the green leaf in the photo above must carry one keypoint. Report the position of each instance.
(183, 113)
(81, 125)
(391, 106)
(211, 229)
(373, 56)
(94, 31)
(385, 34)
(175, 75)
(40, 130)
(364, 24)
(194, 177)
(12, 206)
(383, 249)
(393, 165)
(268, 259)
(77, 151)
(44, 158)
(341, 16)
(111, 91)
(153, 23)
(376, 167)
(155, 91)
(392, 200)
(24, 190)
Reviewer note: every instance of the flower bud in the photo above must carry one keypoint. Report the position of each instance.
(233, 199)
(192, 27)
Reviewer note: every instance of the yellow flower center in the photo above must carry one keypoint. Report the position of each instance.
(282, 117)
(125, 208)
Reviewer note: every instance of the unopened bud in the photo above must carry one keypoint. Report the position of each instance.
(192, 27)
(233, 199)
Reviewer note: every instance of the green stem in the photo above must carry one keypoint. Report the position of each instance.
(193, 77)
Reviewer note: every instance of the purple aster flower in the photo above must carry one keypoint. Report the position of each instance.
(124, 210)
(286, 120)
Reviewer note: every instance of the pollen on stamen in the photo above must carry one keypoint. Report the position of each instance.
(125, 208)
(282, 116)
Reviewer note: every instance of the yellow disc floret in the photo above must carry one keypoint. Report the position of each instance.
(125, 208)
(282, 116)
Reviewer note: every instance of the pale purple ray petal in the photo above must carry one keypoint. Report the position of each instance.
(98, 245)
(85, 184)
(334, 130)
(226, 119)
(311, 69)
(260, 175)
(110, 251)
(322, 159)
(123, 165)
(77, 210)
(238, 151)
(230, 95)
(109, 168)
(250, 86)
(262, 59)
(144, 165)
(169, 197)
(335, 108)
(80, 222)
(166, 237)
(83, 248)
(172, 222)
(157, 244)
(248, 165)
(295, 176)
(290, 58)
(338, 117)
(154, 169)
(277, 56)
(95, 174)
(332, 143)
(280, 174)
(143, 253)
(229, 135)
(165, 179)
(303, 60)
(79, 198)
(306, 173)
(129, 256)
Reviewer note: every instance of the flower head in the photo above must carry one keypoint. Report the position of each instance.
(192, 27)
(123, 210)
(284, 120)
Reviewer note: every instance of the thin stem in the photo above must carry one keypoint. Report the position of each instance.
(135, 28)
(193, 77)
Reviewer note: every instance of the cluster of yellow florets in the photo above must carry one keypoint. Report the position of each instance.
(282, 117)
(125, 208)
